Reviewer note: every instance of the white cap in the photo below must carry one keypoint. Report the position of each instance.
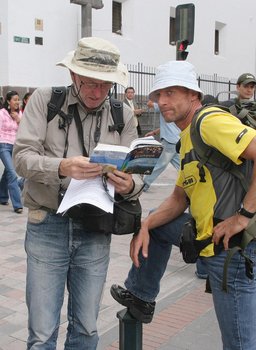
(175, 73)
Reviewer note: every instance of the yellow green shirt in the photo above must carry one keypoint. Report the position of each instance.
(221, 195)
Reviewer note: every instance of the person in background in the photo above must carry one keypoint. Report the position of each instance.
(218, 203)
(61, 250)
(245, 87)
(130, 101)
(25, 100)
(10, 116)
(169, 136)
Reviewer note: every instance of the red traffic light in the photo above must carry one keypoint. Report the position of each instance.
(182, 45)
(181, 54)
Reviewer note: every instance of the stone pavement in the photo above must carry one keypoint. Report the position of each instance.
(184, 318)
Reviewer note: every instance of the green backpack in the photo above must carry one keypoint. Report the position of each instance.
(210, 155)
(246, 112)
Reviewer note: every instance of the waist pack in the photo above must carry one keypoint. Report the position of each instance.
(190, 247)
(125, 219)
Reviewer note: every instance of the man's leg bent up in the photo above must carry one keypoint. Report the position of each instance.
(144, 282)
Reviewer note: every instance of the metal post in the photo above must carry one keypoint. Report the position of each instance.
(86, 14)
(86, 19)
(130, 331)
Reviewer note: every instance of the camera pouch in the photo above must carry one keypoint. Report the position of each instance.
(188, 247)
(125, 219)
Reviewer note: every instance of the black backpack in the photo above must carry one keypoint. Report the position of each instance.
(207, 154)
(58, 97)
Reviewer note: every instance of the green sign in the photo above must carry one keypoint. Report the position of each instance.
(20, 39)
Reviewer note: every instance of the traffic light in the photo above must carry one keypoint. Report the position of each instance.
(181, 53)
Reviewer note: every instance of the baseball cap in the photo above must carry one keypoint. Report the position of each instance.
(246, 78)
(175, 73)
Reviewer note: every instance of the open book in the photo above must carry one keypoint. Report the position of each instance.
(139, 158)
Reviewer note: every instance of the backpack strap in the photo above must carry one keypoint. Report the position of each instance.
(249, 264)
(56, 102)
(207, 154)
(116, 107)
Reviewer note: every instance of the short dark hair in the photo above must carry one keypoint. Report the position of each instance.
(129, 88)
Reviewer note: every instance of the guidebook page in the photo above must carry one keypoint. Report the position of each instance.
(89, 191)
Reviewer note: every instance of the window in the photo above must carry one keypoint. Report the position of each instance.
(216, 42)
(219, 38)
(117, 17)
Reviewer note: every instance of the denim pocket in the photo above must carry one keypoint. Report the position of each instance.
(36, 216)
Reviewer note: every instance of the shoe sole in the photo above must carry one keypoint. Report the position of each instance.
(132, 309)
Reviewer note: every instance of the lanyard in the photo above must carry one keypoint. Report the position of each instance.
(79, 127)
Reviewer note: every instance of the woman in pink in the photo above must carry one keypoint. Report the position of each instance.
(10, 116)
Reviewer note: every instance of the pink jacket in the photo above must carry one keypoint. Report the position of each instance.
(8, 127)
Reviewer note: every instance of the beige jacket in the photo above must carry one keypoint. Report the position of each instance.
(39, 146)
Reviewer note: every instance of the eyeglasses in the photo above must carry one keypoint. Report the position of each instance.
(93, 86)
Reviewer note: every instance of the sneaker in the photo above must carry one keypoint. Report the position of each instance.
(143, 311)
(18, 210)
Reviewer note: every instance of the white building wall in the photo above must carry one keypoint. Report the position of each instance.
(145, 37)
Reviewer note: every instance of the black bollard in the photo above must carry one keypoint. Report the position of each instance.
(130, 331)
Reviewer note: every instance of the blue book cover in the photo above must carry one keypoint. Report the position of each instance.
(140, 158)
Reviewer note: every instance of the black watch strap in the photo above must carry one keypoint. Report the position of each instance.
(246, 213)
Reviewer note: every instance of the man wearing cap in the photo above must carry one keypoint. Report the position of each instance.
(217, 202)
(245, 87)
(60, 250)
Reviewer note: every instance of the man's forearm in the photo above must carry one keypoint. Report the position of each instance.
(171, 208)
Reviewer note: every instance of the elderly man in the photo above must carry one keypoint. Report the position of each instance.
(218, 203)
(48, 155)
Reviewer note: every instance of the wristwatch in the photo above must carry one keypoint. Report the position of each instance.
(246, 213)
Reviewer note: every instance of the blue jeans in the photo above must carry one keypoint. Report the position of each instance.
(59, 251)
(201, 269)
(144, 282)
(235, 310)
(9, 182)
(168, 155)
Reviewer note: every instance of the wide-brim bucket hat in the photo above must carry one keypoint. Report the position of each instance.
(175, 73)
(98, 59)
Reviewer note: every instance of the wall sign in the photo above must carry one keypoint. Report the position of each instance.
(21, 39)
